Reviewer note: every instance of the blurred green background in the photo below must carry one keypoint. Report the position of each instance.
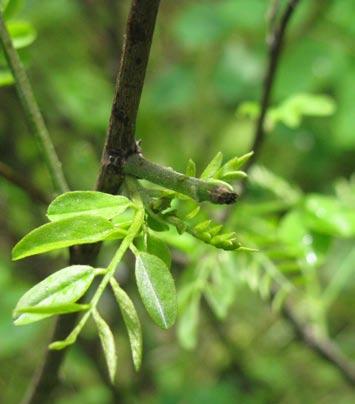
(204, 77)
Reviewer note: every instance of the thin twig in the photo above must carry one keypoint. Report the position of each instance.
(275, 42)
(23, 183)
(323, 346)
(196, 188)
(119, 144)
(32, 112)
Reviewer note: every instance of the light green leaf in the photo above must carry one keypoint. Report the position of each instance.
(6, 78)
(328, 215)
(53, 310)
(188, 322)
(61, 288)
(157, 289)
(213, 166)
(107, 343)
(190, 168)
(52, 236)
(131, 320)
(22, 33)
(87, 202)
(234, 175)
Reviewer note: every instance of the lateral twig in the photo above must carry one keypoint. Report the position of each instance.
(32, 112)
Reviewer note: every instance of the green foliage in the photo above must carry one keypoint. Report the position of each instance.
(54, 294)
(84, 217)
(21, 32)
(292, 111)
(77, 203)
(132, 323)
(107, 342)
(157, 289)
(82, 229)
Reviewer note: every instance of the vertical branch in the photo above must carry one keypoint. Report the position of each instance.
(32, 113)
(275, 42)
(120, 141)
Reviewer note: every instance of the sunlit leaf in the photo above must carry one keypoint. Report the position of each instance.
(22, 33)
(51, 236)
(213, 166)
(87, 202)
(62, 288)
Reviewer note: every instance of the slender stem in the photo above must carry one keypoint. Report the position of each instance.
(275, 42)
(23, 183)
(32, 112)
(120, 141)
(197, 189)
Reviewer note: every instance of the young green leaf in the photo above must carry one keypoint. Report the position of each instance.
(82, 229)
(87, 202)
(107, 343)
(64, 287)
(191, 168)
(213, 166)
(131, 320)
(157, 289)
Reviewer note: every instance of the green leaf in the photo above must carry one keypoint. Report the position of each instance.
(22, 33)
(131, 320)
(188, 322)
(56, 309)
(64, 287)
(107, 343)
(3, 5)
(157, 289)
(82, 229)
(77, 203)
(190, 168)
(6, 78)
(213, 166)
(328, 215)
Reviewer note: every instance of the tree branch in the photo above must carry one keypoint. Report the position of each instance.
(197, 189)
(120, 141)
(32, 113)
(323, 346)
(275, 42)
(21, 182)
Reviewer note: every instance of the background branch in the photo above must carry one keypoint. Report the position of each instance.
(275, 42)
(32, 112)
(23, 183)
